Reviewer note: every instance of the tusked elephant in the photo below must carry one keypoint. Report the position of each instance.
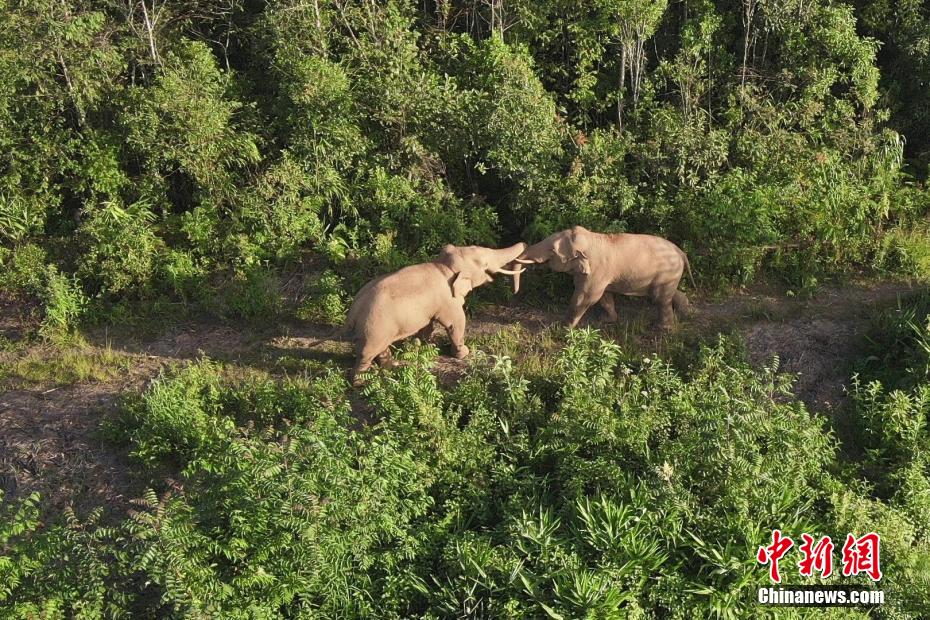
(628, 264)
(406, 302)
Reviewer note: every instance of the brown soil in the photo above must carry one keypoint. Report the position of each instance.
(50, 440)
(50, 443)
(815, 338)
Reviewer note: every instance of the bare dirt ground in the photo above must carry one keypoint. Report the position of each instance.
(49, 443)
(49, 433)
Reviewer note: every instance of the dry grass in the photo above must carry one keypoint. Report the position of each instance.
(46, 366)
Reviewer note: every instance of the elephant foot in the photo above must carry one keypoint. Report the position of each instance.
(386, 360)
(461, 352)
(357, 379)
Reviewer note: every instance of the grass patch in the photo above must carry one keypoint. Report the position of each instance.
(51, 366)
(534, 351)
(635, 333)
(907, 251)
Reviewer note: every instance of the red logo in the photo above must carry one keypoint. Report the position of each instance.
(817, 557)
(860, 555)
(773, 553)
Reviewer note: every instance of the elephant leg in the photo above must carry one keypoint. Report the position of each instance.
(666, 316)
(364, 357)
(453, 320)
(680, 303)
(607, 303)
(583, 298)
(426, 333)
(663, 299)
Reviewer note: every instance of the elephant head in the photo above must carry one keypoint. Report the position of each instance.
(565, 251)
(474, 265)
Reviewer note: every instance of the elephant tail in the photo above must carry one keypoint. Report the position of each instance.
(358, 308)
(348, 328)
(688, 266)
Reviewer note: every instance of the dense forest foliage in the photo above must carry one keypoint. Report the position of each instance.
(193, 152)
(160, 157)
(595, 484)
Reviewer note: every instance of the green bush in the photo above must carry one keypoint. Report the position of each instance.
(20, 218)
(177, 416)
(253, 295)
(65, 304)
(268, 136)
(608, 485)
(327, 301)
(891, 411)
(66, 569)
(22, 270)
(121, 249)
(906, 251)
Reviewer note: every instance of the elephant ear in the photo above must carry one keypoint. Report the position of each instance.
(583, 265)
(461, 286)
(564, 250)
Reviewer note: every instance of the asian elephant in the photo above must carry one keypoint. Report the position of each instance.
(603, 264)
(408, 301)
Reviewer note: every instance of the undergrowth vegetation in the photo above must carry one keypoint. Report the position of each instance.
(598, 485)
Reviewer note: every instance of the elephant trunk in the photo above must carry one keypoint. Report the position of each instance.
(535, 254)
(507, 264)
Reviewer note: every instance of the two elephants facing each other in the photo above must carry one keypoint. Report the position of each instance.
(409, 301)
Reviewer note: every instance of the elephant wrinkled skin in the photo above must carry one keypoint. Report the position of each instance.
(603, 264)
(406, 302)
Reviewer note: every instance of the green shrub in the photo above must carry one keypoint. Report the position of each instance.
(734, 222)
(326, 301)
(66, 569)
(64, 304)
(906, 251)
(182, 127)
(185, 276)
(253, 295)
(17, 562)
(21, 218)
(22, 270)
(610, 484)
(177, 417)
(279, 218)
(121, 249)
(891, 412)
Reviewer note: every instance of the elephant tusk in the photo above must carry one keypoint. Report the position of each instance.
(523, 261)
(510, 273)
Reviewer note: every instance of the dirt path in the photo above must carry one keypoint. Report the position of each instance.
(49, 438)
(816, 338)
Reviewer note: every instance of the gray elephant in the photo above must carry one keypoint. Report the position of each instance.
(408, 301)
(628, 264)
